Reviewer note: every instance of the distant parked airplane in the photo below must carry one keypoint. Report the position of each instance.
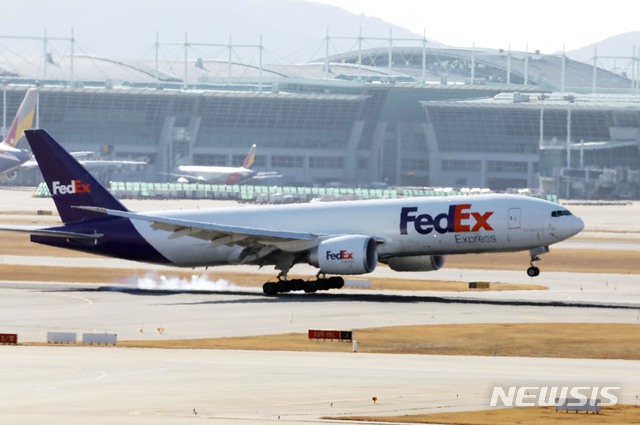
(86, 158)
(220, 174)
(11, 158)
(340, 238)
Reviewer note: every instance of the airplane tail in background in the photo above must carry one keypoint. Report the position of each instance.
(70, 184)
(23, 119)
(251, 156)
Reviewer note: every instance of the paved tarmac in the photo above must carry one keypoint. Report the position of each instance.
(80, 385)
(32, 310)
(106, 385)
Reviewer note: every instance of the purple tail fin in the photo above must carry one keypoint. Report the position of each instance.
(70, 184)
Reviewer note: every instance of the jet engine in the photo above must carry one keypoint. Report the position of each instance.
(421, 263)
(352, 254)
(8, 176)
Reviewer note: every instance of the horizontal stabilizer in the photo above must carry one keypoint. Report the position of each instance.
(51, 232)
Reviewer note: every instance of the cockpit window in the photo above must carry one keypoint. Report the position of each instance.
(560, 213)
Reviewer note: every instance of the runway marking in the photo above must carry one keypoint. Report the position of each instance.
(77, 297)
(98, 374)
(537, 318)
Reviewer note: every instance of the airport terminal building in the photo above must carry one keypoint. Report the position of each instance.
(402, 116)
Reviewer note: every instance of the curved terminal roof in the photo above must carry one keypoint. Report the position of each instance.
(441, 65)
(491, 66)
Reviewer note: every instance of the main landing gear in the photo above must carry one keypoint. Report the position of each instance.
(309, 286)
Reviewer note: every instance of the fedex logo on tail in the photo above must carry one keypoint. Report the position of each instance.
(76, 186)
(459, 219)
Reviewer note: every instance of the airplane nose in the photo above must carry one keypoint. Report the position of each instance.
(578, 225)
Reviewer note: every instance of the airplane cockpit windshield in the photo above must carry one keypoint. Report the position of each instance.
(560, 213)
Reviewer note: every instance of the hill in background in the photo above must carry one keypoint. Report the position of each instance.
(292, 31)
(621, 46)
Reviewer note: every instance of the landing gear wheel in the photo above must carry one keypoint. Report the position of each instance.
(296, 285)
(270, 288)
(533, 271)
(283, 286)
(336, 282)
(310, 287)
(322, 283)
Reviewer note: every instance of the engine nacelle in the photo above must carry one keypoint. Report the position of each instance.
(420, 263)
(8, 176)
(353, 254)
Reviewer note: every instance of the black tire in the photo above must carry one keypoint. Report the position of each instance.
(533, 271)
(283, 286)
(269, 288)
(323, 284)
(336, 282)
(310, 287)
(296, 285)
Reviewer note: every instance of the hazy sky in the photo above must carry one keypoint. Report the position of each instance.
(127, 29)
(544, 25)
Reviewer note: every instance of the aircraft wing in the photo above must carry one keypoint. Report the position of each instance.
(219, 233)
(81, 154)
(30, 164)
(106, 163)
(267, 175)
(188, 177)
(91, 163)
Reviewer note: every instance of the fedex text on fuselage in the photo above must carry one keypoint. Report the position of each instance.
(459, 219)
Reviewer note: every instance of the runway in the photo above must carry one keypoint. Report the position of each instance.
(74, 385)
(106, 385)
(34, 309)
(588, 288)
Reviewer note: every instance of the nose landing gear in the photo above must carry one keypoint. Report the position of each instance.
(533, 271)
(534, 253)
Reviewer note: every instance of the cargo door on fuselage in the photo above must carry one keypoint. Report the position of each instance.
(514, 218)
(514, 224)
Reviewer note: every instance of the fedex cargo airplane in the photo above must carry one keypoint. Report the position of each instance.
(11, 158)
(339, 238)
(221, 175)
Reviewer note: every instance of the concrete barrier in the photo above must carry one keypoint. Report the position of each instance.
(357, 283)
(62, 337)
(9, 339)
(103, 338)
(330, 334)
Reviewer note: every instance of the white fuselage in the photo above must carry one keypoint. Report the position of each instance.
(11, 158)
(402, 227)
(216, 174)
